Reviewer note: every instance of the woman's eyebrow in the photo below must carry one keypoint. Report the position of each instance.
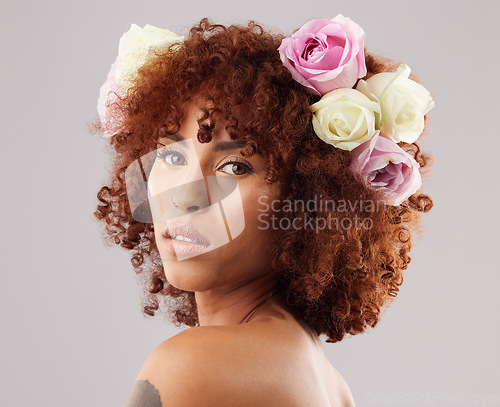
(219, 146)
(174, 137)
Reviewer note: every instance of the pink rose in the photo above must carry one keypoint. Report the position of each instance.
(324, 55)
(381, 164)
(110, 114)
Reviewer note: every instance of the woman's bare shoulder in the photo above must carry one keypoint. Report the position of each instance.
(339, 391)
(229, 340)
(203, 366)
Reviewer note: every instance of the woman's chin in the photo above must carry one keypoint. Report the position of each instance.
(184, 278)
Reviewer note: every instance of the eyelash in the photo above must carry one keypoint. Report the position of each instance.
(163, 152)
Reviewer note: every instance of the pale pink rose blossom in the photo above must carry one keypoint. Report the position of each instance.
(110, 114)
(381, 164)
(324, 55)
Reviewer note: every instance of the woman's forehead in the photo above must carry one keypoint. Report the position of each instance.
(192, 120)
(194, 110)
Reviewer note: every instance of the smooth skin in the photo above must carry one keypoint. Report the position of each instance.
(273, 360)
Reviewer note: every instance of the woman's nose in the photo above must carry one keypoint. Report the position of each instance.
(190, 196)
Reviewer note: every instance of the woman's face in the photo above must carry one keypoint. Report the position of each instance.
(209, 193)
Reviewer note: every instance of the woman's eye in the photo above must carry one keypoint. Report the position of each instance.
(232, 167)
(172, 157)
(236, 168)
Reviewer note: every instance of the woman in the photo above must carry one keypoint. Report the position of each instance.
(267, 188)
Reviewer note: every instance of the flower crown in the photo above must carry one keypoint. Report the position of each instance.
(327, 58)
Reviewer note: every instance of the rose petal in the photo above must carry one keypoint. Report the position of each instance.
(324, 55)
(381, 164)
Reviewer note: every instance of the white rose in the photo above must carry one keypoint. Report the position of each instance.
(404, 103)
(135, 46)
(345, 118)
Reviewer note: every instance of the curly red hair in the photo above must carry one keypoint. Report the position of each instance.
(335, 280)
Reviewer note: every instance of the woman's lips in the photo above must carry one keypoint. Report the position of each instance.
(181, 247)
(181, 229)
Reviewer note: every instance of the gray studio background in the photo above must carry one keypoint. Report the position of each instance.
(72, 333)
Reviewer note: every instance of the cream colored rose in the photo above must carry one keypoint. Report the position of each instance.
(135, 47)
(404, 103)
(345, 118)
